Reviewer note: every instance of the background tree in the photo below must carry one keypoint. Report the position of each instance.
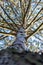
(21, 24)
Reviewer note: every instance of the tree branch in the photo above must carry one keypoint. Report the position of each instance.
(39, 38)
(14, 11)
(7, 22)
(7, 28)
(22, 6)
(31, 23)
(28, 7)
(33, 9)
(8, 34)
(9, 16)
(2, 37)
(33, 32)
(34, 18)
(22, 10)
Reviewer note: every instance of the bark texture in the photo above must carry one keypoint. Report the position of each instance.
(8, 57)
